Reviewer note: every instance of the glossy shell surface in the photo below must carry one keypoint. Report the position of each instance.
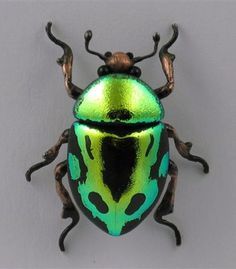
(118, 98)
(116, 180)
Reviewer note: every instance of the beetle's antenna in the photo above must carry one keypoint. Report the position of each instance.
(156, 39)
(88, 36)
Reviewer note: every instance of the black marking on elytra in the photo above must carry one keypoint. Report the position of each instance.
(120, 114)
(150, 145)
(136, 201)
(154, 172)
(97, 200)
(88, 147)
(119, 159)
(74, 148)
(102, 225)
(130, 225)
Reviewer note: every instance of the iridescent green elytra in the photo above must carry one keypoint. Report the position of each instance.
(118, 152)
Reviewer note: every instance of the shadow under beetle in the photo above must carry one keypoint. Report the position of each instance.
(118, 149)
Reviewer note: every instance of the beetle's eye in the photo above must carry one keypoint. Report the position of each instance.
(130, 54)
(135, 71)
(108, 54)
(103, 70)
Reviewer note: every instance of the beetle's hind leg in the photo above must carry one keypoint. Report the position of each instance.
(184, 148)
(69, 210)
(167, 204)
(49, 155)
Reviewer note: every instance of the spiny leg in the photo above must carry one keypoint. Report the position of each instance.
(167, 205)
(66, 62)
(69, 210)
(167, 60)
(50, 155)
(184, 148)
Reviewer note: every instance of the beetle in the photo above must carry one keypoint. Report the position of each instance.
(118, 149)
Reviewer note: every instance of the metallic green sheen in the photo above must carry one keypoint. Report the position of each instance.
(141, 180)
(118, 98)
(163, 169)
(74, 166)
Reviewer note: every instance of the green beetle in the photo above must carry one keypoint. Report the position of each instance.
(118, 149)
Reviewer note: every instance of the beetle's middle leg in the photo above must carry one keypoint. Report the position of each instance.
(184, 148)
(167, 204)
(49, 155)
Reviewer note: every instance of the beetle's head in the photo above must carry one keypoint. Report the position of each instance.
(119, 62)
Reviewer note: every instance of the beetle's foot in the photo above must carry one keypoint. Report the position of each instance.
(160, 220)
(67, 56)
(74, 215)
(184, 150)
(165, 48)
(28, 175)
(36, 167)
(195, 158)
(205, 166)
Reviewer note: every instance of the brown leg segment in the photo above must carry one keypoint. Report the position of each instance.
(69, 210)
(50, 155)
(184, 148)
(66, 62)
(167, 205)
(167, 60)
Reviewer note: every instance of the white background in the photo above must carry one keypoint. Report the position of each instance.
(35, 109)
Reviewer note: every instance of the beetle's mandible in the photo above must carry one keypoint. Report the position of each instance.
(118, 149)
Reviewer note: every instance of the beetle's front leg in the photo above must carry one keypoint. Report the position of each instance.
(65, 62)
(167, 204)
(167, 60)
(50, 155)
(184, 148)
(69, 210)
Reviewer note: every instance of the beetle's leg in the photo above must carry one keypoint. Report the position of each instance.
(65, 62)
(69, 210)
(49, 155)
(184, 148)
(167, 60)
(167, 204)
